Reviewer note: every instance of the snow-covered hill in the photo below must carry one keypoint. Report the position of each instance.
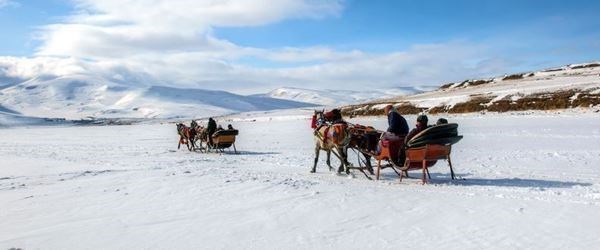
(571, 86)
(340, 97)
(81, 96)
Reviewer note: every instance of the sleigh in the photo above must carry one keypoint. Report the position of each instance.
(223, 139)
(420, 153)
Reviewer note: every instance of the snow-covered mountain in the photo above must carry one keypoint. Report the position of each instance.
(83, 96)
(571, 86)
(77, 96)
(331, 97)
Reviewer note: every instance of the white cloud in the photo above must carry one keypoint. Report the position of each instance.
(120, 28)
(171, 42)
(8, 3)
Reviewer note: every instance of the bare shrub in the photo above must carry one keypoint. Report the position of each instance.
(513, 77)
(479, 82)
(445, 86)
(591, 65)
(438, 109)
(474, 105)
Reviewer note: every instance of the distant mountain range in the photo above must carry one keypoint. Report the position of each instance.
(93, 97)
(331, 97)
(82, 96)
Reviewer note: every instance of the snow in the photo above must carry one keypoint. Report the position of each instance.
(531, 180)
(333, 98)
(80, 96)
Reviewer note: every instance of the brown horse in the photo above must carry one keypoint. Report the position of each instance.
(187, 136)
(202, 137)
(331, 138)
(364, 141)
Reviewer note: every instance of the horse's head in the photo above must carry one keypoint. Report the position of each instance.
(318, 118)
(180, 127)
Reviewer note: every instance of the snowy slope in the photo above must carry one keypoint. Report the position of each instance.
(569, 77)
(81, 96)
(571, 86)
(127, 187)
(339, 97)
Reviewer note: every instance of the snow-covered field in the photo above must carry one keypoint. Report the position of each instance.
(530, 181)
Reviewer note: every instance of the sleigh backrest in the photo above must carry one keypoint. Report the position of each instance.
(445, 134)
(224, 138)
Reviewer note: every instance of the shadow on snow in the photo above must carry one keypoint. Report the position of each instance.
(505, 182)
(437, 178)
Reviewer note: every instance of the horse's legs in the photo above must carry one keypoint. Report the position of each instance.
(191, 143)
(368, 163)
(188, 143)
(329, 160)
(180, 140)
(344, 156)
(317, 150)
(340, 155)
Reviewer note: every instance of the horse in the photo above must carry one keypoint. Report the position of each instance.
(364, 141)
(331, 138)
(202, 136)
(187, 136)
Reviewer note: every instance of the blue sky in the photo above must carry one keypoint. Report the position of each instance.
(270, 43)
(19, 21)
(531, 27)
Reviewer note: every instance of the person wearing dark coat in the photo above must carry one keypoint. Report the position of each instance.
(211, 128)
(397, 128)
(420, 126)
(397, 123)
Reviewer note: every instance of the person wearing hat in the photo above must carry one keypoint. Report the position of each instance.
(420, 126)
(441, 121)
